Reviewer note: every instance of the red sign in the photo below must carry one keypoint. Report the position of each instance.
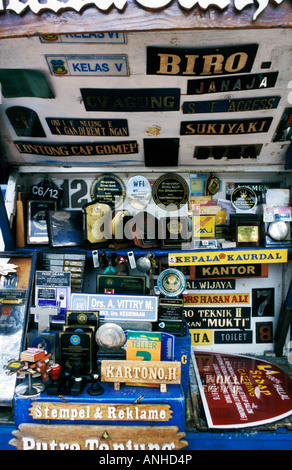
(239, 391)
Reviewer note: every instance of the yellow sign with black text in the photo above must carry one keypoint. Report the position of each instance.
(201, 258)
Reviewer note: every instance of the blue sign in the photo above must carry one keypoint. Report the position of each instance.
(117, 307)
(87, 65)
(231, 106)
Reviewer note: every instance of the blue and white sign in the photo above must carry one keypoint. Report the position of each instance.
(85, 38)
(88, 65)
(117, 307)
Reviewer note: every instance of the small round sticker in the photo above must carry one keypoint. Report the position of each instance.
(139, 192)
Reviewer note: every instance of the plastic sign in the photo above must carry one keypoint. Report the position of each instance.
(56, 5)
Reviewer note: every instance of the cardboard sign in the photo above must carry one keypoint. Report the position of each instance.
(131, 100)
(200, 61)
(236, 127)
(233, 83)
(86, 65)
(91, 437)
(239, 391)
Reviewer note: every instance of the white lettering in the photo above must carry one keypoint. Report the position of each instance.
(36, 6)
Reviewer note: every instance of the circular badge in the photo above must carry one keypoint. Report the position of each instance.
(171, 282)
(139, 192)
(108, 189)
(243, 198)
(170, 192)
(75, 340)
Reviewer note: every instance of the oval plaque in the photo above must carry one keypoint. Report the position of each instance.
(171, 282)
(139, 192)
(170, 192)
(243, 199)
(108, 189)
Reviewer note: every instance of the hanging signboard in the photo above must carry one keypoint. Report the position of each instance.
(86, 65)
(200, 61)
(97, 438)
(239, 391)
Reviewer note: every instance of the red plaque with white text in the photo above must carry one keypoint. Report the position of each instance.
(241, 391)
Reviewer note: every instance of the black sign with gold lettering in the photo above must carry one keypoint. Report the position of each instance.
(217, 317)
(236, 127)
(200, 61)
(228, 271)
(232, 83)
(78, 149)
(89, 127)
(131, 100)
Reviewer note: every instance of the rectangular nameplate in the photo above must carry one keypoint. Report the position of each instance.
(232, 83)
(78, 149)
(88, 127)
(86, 65)
(230, 106)
(229, 271)
(226, 127)
(156, 372)
(117, 307)
(131, 100)
(228, 257)
(200, 61)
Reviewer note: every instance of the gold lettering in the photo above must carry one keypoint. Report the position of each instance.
(169, 64)
(240, 58)
(214, 62)
(191, 59)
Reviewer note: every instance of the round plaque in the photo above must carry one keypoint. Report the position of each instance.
(139, 192)
(110, 336)
(108, 189)
(171, 282)
(170, 192)
(278, 230)
(243, 199)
